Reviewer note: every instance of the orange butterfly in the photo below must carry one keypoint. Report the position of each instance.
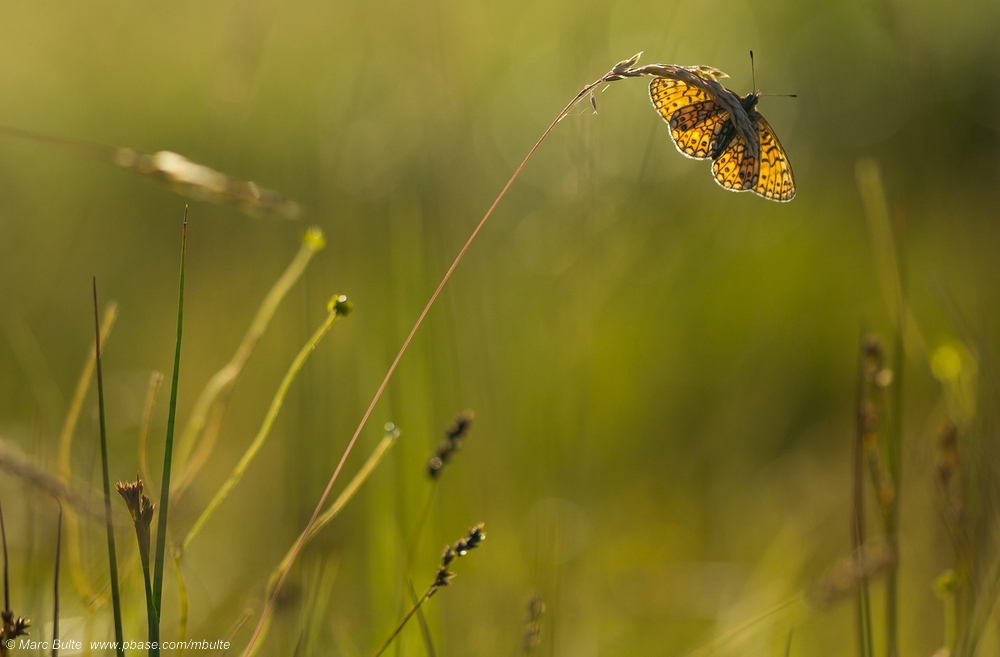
(708, 121)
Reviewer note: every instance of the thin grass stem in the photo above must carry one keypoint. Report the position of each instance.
(168, 447)
(615, 73)
(55, 585)
(215, 396)
(112, 555)
(863, 608)
(388, 440)
(406, 618)
(338, 307)
(6, 562)
(425, 630)
(894, 449)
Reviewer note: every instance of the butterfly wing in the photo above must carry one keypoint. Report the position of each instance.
(737, 168)
(776, 181)
(695, 119)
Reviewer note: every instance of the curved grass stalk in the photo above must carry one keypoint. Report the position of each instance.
(619, 71)
(338, 307)
(388, 440)
(192, 454)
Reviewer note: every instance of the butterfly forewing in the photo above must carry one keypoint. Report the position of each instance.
(695, 119)
(776, 181)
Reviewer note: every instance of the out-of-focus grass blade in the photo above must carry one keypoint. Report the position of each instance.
(187, 178)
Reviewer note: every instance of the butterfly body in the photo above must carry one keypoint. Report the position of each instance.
(708, 121)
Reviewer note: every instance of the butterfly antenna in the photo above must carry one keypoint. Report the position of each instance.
(753, 74)
(781, 95)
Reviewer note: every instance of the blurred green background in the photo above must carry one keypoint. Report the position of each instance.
(663, 373)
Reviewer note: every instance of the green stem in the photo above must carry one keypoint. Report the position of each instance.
(152, 617)
(220, 386)
(407, 617)
(112, 555)
(864, 620)
(337, 308)
(168, 448)
(182, 597)
(894, 449)
(388, 440)
(55, 586)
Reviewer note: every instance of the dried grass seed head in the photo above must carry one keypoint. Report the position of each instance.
(471, 541)
(453, 433)
(14, 626)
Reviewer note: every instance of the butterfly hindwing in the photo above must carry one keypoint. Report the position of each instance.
(737, 168)
(695, 119)
(696, 128)
(776, 181)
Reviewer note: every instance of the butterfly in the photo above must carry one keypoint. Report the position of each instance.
(708, 121)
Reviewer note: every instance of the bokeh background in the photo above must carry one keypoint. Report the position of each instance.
(663, 373)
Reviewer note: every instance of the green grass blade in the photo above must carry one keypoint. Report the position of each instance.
(112, 555)
(863, 609)
(6, 563)
(338, 307)
(388, 440)
(219, 388)
(168, 447)
(55, 586)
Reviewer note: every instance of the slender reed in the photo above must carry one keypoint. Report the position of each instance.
(141, 511)
(890, 264)
(112, 555)
(425, 629)
(168, 448)
(338, 307)
(619, 71)
(894, 462)
(454, 434)
(442, 579)
(863, 429)
(6, 562)
(212, 402)
(11, 626)
(388, 440)
(55, 585)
